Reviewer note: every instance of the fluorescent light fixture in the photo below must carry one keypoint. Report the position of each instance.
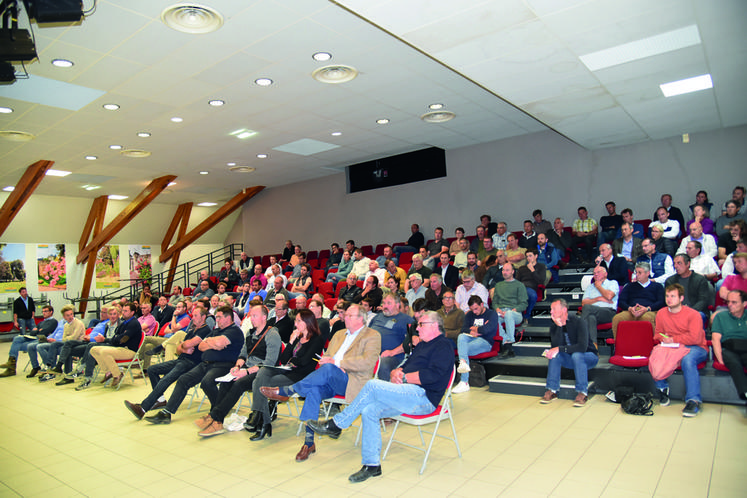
(262, 156)
(243, 133)
(62, 63)
(5, 110)
(115, 147)
(9, 188)
(336, 133)
(57, 172)
(91, 158)
(263, 81)
(110, 107)
(176, 119)
(117, 197)
(382, 121)
(216, 102)
(204, 172)
(143, 134)
(435, 107)
(207, 204)
(91, 187)
(171, 184)
(231, 164)
(640, 49)
(688, 85)
(321, 56)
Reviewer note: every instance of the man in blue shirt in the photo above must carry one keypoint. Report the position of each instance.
(392, 325)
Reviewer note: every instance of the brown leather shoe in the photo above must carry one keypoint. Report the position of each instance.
(273, 393)
(305, 452)
(159, 404)
(107, 377)
(135, 409)
(204, 421)
(117, 380)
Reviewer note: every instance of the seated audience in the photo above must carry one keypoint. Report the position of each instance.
(660, 263)
(453, 317)
(610, 224)
(729, 335)
(510, 300)
(708, 243)
(617, 267)
(541, 225)
(528, 238)
(392, 325)
(414, 242)
(477, 336)
(599, 301)
(470, 287)
(627, 246)
(700, 263)
(670, 227)
(584, 233)
(639, 300)
(673, 214)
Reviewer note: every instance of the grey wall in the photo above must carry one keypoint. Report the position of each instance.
(506, 179)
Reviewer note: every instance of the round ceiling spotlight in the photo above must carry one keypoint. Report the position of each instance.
(438, 116)
(176, 119)
(5, 110)
(110, 107)
(262, 156)
(241, 169)
(143, 134)
(62, 63)
(216, 102)
(382, 121)
(191, 18)
(91, 158)
(322, 56)
(16, 136)
(334, 74)
(116, 147)
(135, 153)
(435, 107)
(263, 81)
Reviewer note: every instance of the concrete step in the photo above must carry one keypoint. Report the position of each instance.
(536, 333)
(527, 348)
(532, 386)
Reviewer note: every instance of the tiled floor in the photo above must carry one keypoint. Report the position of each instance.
(58, 442)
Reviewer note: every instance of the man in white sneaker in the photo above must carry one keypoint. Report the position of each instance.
(478, 334)
(571, 347)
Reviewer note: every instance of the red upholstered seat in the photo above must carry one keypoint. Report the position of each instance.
(493, 351)
(634, 338)
(720, 366)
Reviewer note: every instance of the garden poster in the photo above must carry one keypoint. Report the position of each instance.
(12, 268)
(107, 267)
(140, 268)
(52, 271)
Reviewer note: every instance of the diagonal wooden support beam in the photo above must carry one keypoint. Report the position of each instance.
(211, 221)
(26, 185)
(181, 218)
(133, 208)
(94, 223)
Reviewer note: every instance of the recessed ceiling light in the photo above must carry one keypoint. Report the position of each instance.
(216, 102)
(243, 133)
(208, 204)
(171, 184)
(16, 136)
(57, 172)
(321, 56)
(176, 119)
(5, 110)
(115, 147)
(62, 63)
(382, 121)
(117, 197)
(230, 164)
(203, 172)
(262, 156)
(110, 107)
(263, 81)
(135, 153)
(336, 133)
(143, 134)
(91, 158)
(640, 49)
(435, 107)
(242, 169)
(91, 187)
(689, 85)
(9, 188)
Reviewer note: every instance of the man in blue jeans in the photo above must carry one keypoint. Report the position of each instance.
(477, 336)
(571, 347)
(677, 323)
(416, 388)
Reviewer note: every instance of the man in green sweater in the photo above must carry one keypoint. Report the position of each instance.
(510, 299)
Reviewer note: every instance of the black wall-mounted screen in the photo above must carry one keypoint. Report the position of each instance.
(417, 166)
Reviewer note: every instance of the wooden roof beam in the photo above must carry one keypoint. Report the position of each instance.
(139, 203)
(24, 188)
(229, 207)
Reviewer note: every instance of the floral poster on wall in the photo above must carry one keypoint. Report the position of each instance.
(52, 271)
(107, 267)
(12, 267)
(140, 268)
